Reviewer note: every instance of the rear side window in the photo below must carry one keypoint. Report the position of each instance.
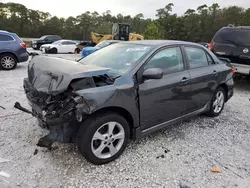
(5, 38)
(233, 36)
(197, 57)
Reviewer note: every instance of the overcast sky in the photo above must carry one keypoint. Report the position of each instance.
(66, 8)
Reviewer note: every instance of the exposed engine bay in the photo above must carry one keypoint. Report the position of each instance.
(59, 112)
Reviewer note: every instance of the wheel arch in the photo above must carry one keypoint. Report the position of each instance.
(119, 110)
(11, 53)
(225, 87)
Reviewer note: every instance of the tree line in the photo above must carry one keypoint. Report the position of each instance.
(195, 25)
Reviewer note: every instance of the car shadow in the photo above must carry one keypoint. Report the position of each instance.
(242, 85)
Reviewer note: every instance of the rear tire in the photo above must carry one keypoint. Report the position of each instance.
(8, 61)
(98, 143)
(217, 103)
(77, 51)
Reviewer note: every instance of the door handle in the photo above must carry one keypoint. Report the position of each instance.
(215, 72)
(184, 80)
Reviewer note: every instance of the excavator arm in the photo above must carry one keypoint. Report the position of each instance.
(96, 38)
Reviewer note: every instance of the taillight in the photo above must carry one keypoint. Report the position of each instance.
(233, 70)
(210, 46)
(23, 45)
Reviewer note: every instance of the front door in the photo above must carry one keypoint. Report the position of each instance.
(164, 99)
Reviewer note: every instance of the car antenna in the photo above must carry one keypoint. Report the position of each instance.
(230, 25)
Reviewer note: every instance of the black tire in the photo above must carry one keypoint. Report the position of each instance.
(53, 51)
(38, 46)
(212, 112)
(90, 126)
(11, 57)
(77, 51)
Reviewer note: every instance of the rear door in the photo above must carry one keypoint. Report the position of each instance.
(64, 47)
(233, 43)
(204, 73)
(71, 46)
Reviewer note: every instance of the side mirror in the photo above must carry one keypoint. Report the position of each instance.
(153, 73)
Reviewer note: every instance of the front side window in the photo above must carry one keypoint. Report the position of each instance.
(169, 60)
(71, 43)
(57, 42)
(64, 43)
(5, 38)
(196, 57)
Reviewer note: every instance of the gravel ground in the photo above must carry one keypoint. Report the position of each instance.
(182, 155)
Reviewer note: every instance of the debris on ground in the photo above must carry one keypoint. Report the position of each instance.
(35, 152)
(2, 160)
(4, 174)
(161, 156)
(2, 107)
(184, 184)
(216, 170)
(166, 151)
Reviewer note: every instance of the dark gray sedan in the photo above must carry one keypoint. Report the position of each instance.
(126, 90)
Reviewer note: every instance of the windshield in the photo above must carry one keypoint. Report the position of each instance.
(57, 42)
(238, 37)
(102, 44)
(119, 57)
(43, 37)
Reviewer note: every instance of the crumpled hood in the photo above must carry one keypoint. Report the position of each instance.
(53, 75)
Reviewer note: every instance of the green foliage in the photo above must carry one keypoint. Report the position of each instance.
(153, 31)
(194, 25)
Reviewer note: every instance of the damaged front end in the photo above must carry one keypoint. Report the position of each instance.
(51, 91)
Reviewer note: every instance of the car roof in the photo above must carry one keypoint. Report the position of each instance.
(3, 31)
(161, 42)
(63, 40)
(112, 41)
(237, 28)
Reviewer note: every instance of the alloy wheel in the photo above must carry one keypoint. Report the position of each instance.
(108, 140)
(7, 62)
(218, 102)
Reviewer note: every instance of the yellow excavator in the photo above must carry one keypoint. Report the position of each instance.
(120, 31)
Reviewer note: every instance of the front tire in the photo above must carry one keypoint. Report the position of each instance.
(53, 51)
(103, 138)
(8, 61)
(38, 46)
(217, 102)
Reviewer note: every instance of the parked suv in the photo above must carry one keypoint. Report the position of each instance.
(233, 43)
(126, 90)
(46, 39)
(12, 50)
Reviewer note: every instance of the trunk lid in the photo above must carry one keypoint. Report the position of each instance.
(53, 75)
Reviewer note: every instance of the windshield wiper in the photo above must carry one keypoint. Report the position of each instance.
(79, 59)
